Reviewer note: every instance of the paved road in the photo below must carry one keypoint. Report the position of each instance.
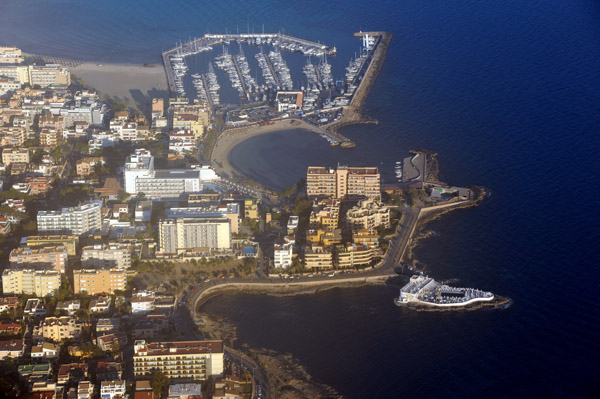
(398, 245)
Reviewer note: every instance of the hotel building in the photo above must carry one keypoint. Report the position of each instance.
(181, 234)
(195, 360)
(83, 219)
(141, 177)
(343, 182)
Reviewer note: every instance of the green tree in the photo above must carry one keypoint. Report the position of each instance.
(159, 384)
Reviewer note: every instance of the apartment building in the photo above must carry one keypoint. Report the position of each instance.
(317, 257)
(14, 155)
(325, 214)
(107, 256)
(37, 75)
(354, 256)
(343, 182)
(85, 390)
(83, 219)
(50, 121)
(70, 242)
(37, 282)
(112, 389)
(283, 256)
(49, 75)
(368, 214)
(321, 182)
(57, 329)
(182, 141)
(10, 55)
(50, 137)
(95, 281)
(181, 234)
(107, 326)
(50, 257)
(87, 166)
(366, 237)
(12, 136)
(192, 117)
(197, 360)
(7, 85)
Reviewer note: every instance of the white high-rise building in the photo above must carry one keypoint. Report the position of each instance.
(181, 234)
(140, 164)
(141, 177)
(79, 220)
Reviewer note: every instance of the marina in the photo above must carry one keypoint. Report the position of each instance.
(324, 99)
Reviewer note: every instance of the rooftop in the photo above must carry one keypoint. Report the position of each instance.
(185, 347)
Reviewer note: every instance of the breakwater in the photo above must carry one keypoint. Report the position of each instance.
(284, 288)
(352, 113)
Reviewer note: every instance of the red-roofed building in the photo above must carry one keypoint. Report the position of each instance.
(9, 303)
(10, 328)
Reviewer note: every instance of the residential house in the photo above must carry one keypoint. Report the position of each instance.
(108, 371)
(73, 372)
(46, 350)
(71, 307)
(10, 328)
(57, 329)
(9, 303)
(100, 305)
(107, 326)
(106, 342)
(12, 348)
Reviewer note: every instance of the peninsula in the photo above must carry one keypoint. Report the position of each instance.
(133, 215)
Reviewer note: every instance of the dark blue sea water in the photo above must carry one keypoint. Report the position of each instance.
(508, 93)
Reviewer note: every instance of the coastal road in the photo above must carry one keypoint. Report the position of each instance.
(401, 240)
(396, 251)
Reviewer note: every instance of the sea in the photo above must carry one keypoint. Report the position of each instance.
(506, 92)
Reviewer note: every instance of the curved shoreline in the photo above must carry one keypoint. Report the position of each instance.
(351, 115)
(230, 138)
(283, 288)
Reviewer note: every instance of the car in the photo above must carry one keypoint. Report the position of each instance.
(207, 280)
(310, 275)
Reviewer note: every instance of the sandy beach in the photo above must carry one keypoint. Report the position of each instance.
(135, 82)
(230, 138)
